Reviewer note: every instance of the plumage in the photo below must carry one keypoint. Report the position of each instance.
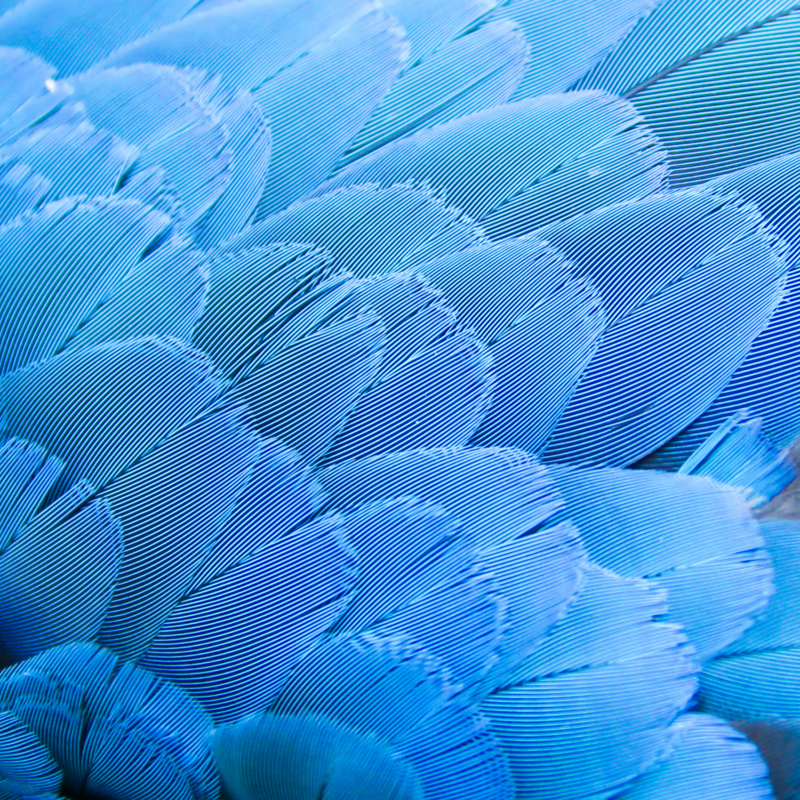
(342, 345)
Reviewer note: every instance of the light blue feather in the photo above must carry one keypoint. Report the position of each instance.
(112, 728)
(691, 535)
(588, 150)
(708, 759)
(470, 73)
(666, 360)
(232, 643)
(350, 225)
(394, 690)
(58, 34)
(568, 39)
(58, 268)
(102, 408)
(497, 494)
(708, 74)
(21, 190)
(308, 757)
(318, 103)
(560, 744)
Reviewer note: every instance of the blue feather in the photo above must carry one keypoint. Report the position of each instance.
(560, 744)
(318, 103)
(708, 759)
(393, 690)
(497, 494)
(59, 266)
(738, 454)
(232, 642)
(665, 360)
(568, 39)
(512, 182)
(21, 190)
(351, 225)
(472, 72)
(26, 767)
(692, 536)
(111, 727)
(707, 74)
(306, 757)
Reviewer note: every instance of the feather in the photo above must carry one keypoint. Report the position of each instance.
(607, 648)
(350, 224)
(306, 757)
(588, 150)
(709, 759)
(232, 643)
(429, 28)
(738, 454)
(393, 690)
(26, 768)
(229, 40)
(663, 363)
(114, 729)
(101, 409)
(497, 494)
(568, 39)
(706, 75)
(318, 103)
(69, 538)
(280, 494)
(690, 535)
(76, 159)
(21, 190)
(59, 266)
(755, 678)
(170, 116)
(53, 31)
(171, 504)
(764, 383)
(779, 745)
(472, 72)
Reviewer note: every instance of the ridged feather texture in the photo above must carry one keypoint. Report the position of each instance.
(386, 393)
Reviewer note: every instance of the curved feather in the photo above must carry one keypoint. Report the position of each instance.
(738, 454)
(26, 475)
(568, 39)
(246, 42)
(497, 494)
(172, 503)
(163, 295)
(517, 167)
(58, 33)
(708, 759)
(69, 539)
(429, 28)
(26, 767)
(393, 690)
(170, 116)
(318, 103)
(308, 757)
(666, 360)
(232, 643)
(21, 190)
(637, 674)
(779, 744)
(303, 394)
(280, 494)
(77, 159)
(350, 225)
(114, 729)
(467, 74)
(102, 408)
(691, 535)
(61, 265)
(764, 383)
(23, 76)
